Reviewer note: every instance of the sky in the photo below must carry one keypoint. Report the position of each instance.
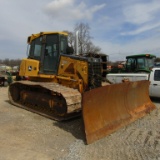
(119, 27)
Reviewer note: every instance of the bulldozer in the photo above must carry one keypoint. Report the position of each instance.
(62, 85)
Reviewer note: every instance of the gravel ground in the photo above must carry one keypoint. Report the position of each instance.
(25, 135)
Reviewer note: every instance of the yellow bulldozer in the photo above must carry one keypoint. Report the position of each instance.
(62, 85)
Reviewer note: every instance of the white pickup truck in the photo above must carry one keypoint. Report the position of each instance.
(153, 77)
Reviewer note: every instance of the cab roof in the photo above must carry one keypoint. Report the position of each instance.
(34, 36)
(141, 55)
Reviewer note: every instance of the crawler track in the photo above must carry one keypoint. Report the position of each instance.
(51, 100)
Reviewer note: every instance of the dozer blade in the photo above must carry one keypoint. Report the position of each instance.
(108, 108)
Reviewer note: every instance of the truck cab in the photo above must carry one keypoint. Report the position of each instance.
(154, 88)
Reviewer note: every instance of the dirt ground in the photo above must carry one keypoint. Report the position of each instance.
(28, 136)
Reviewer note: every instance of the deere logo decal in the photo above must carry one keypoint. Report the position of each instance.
(29, 68)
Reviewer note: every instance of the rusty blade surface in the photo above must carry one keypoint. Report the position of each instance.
(108, 108)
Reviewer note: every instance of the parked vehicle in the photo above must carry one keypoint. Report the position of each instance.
(5, 78)
(139, 63)
(153, 77)
(2, 80)
(157, 64)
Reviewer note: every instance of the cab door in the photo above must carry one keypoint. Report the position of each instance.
(51, 54)
(154, 89)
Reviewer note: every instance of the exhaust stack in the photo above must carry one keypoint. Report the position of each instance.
(76, 42)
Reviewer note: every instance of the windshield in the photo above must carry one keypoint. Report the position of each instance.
(139, 63)
(63, 44)
(35, 49)
(145, 62)
(150, 62)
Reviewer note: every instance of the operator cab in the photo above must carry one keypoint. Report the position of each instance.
(140, 63)
(46, 47)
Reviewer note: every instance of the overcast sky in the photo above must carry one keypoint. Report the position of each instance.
(118, 27)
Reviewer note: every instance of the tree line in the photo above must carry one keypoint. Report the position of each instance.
(10, 62)
(16, 62)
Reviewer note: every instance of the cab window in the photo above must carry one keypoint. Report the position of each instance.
(157, 75)
(35, 48)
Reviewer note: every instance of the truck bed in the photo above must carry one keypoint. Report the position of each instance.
(118, 78)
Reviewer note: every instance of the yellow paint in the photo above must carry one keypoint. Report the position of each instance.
(29, 67)
(34, 36)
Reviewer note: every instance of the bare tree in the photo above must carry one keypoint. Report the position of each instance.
(71, 38)
(85, 45)
(84, 37)
(91, 48)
